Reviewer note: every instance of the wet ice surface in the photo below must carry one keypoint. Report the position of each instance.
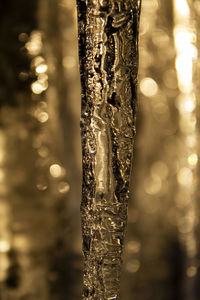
(108, 33)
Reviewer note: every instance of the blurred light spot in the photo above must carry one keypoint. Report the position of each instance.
(160, 169)
(42, 117)
(41, 68)
(193, 159)
(133, 246)
(4, 246)
(186, 103)
(38, 60)
(148, 87)
(43, 79)
(56, 171)
(191, 271)
(34, 45)
(153, 185)
(182, 7)
(69, 62)
(184, 39)
(184, 69)
(63, 187)
(185, 176)
(133, 266)
(23, 37)
(37, 87)
(41, 187)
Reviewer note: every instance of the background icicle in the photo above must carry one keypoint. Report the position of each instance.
(108, 35)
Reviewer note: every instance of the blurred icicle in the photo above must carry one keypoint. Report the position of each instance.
(108, 36)
(185, 33)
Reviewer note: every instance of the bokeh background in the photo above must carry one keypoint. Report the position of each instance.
(40, 154)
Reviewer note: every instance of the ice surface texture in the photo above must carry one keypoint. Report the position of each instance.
(108, 50)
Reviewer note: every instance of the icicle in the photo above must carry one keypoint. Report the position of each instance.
(108, 50)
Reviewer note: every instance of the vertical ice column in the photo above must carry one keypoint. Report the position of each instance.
(108, 50)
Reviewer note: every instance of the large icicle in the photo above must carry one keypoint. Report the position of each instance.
(108, 49)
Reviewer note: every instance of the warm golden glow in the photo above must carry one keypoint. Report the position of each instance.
(42, 68)
(182, 8)
(193, 159)
(37, 87)
(185, 176)
(56, 170)
(34, 45)
(133, 266)
(69, 62)
(186, 55)
(63, 187)
(42, 116)
(186, 103)
(148, 87)
(4, 246)
(133, 246)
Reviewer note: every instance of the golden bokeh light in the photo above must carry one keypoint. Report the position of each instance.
(69, 62)
(37, 88)
(42, 116)
(148, 87)
(63, 187)
(185, 176)
(34, 45)
(4, 246)
(42, 68)
(56, 171)
(133, 266)
(182, 8)
(193, 159)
